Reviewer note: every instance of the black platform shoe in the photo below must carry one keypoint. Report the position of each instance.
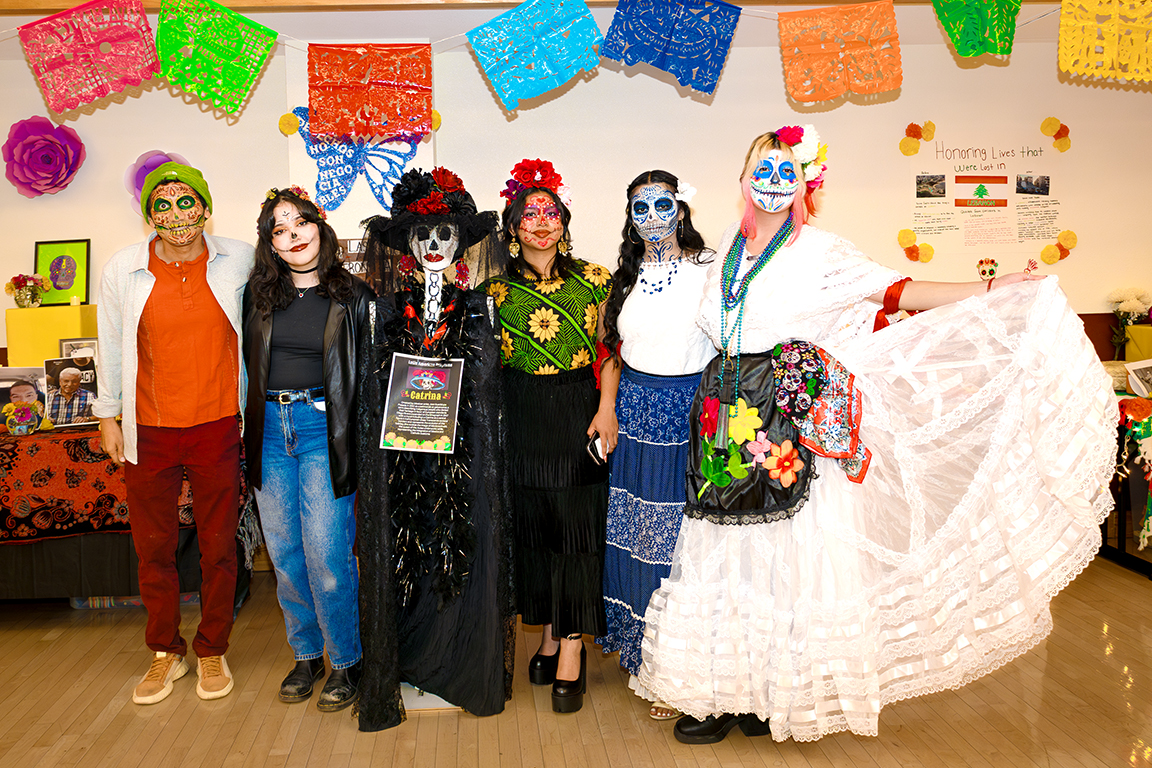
(568, 695)
(542, 669)
(298, 685)
(714, 728)
(342, 688)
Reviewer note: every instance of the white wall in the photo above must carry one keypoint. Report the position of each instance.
(603, 129)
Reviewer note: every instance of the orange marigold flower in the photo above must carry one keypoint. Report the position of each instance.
(913, 131)
(1061, 132)
(912, 252)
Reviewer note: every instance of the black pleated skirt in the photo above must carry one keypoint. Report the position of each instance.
(560, 500)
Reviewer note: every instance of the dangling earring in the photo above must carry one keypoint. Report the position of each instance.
(562, 246)
(634, 242)
(514, 248)
(680, 228)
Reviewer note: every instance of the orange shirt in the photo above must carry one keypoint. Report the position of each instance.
(187, 349)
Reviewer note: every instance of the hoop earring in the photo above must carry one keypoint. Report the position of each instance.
(562, 246)
(514, 249)
(632, 229)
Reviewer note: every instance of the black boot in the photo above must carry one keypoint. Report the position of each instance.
(342, 688)
(298, 685)
(568, 695)
(714, 728)
(542, 669)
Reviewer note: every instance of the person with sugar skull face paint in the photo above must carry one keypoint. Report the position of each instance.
(168, 319)
(435, 540)
(561, 428)
(650, 325)
(836, 463)
(305, 318)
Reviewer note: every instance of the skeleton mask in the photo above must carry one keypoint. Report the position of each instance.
(654, 212)
(434, 246)
(774, 183)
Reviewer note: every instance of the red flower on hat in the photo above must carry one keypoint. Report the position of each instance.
(446, 180)
(790, 135)
(537, 173)
(430, 204)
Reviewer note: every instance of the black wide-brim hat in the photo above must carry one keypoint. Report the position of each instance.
(429, 199)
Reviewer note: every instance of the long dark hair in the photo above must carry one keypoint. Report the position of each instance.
(271, 280)
(516, 266)
(632, 252)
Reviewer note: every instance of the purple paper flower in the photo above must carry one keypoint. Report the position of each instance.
(136, 173)
(40, 157)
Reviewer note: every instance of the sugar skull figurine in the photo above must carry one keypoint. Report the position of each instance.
(987, 268)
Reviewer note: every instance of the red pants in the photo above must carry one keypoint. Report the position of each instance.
(210, 454)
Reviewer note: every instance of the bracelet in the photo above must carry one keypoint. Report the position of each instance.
(989, 288)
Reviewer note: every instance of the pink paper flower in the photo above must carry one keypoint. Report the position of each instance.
(40, 157)
(136, 173)
(790, 135)
(759, 447)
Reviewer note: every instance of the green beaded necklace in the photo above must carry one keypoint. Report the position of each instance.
(732, 297)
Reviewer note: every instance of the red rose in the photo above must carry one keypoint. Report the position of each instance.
(914, 131)
(407, 264)
(537, 173)
(790, 135)
(709, 417)
(446, 180)
(433, 203)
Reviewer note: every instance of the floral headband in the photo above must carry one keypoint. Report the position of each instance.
(535, 174)
(300, 193)
(807, 150)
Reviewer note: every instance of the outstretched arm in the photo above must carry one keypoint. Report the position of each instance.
(925, 294)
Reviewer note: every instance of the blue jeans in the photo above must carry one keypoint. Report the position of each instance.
(309, 534)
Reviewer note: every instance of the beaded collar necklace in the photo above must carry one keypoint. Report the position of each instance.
(732, 297)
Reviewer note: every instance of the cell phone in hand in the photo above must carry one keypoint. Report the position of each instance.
(596, 448)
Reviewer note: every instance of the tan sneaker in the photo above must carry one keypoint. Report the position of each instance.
(157, 684)
(215, 678)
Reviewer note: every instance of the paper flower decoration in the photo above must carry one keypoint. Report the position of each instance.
(1058, 131)
(1104, 38)
(135, 174)
(923, 253)
(40, 157)
(1065, 242)
(910, 144)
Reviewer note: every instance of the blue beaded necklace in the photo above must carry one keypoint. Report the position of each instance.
(732, 297)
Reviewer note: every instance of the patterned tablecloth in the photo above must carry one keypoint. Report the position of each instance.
(57, 484)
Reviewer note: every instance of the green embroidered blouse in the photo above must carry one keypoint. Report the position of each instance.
(550, 325)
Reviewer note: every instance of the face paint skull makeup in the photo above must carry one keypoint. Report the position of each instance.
(434, 246)
(295, 239)
(654, 212)
(774, 183)
(541, 226)
(177, 213)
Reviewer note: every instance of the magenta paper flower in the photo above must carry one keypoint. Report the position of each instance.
(41, 157)
(136, 173)
(790, 135)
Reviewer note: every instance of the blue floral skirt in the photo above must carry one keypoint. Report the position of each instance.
(645, 501)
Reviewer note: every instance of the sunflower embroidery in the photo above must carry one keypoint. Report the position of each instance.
(546, 370)
(549, 285)
(591, 318)
(596, 274)
(580, 359)
(498, 291)
(506, 346)
(544, 323)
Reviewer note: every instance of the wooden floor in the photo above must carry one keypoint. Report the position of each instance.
(1082, 698)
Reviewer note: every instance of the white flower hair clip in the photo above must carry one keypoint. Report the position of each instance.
(685, 192)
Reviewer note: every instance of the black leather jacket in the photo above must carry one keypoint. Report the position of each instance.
(343, 331)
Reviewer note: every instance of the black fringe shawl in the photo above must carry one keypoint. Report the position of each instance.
(396, 544)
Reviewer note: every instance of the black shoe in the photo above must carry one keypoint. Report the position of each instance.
(542, 669)
(568, 695)
(342, 688)
(714, 728)
(298, 685)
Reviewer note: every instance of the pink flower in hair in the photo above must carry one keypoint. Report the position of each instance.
(790, 135)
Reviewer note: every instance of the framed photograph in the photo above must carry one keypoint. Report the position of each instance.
(65, 263)
(71, 390)
(84, 347)
(22, 385)
(1140, 377)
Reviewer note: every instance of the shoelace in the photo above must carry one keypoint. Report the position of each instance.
(211, 667)
(159, 668)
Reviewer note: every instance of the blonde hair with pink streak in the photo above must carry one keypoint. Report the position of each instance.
(802, 205)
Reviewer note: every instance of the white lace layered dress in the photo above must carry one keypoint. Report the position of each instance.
(991, 424)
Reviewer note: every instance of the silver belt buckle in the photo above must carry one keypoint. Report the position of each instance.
(284, 398)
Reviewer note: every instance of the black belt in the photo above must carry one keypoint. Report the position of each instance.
(286, 396)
